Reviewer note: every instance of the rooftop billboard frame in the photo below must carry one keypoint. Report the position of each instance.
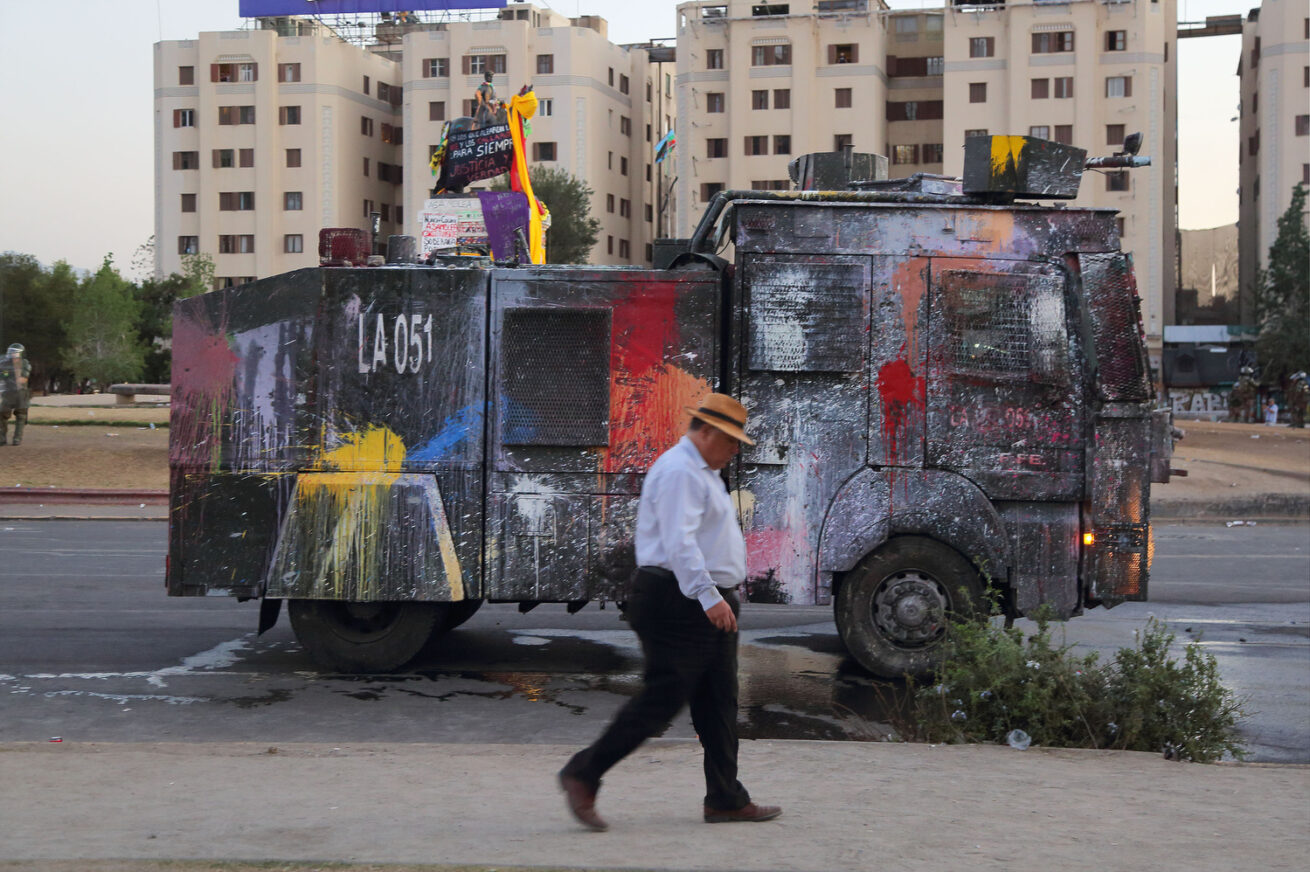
(267, 8)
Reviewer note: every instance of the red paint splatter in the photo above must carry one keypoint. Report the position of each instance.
(204, 373)
(899, 389)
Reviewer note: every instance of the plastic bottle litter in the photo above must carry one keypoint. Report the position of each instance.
(1018, 740)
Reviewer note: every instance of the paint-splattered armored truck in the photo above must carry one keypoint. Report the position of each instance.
(947, 389)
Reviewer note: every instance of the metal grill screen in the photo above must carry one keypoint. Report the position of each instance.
(555, 377)
(988, 323)
(1116, 326)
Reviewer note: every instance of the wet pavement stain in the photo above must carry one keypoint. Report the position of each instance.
(272, 697)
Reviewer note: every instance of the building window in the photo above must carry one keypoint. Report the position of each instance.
(771, 55)
(369, 209)
(935, 66)
(293, 201)
(623, 166)
(609, 203)
(293, 243)
(546, 107)
(977, 92)
(1116, 180)
(288, 115)
(1041, 89)
(714, 101)
(782, 98)
(757, 145)
(476, 65)
(914, 110)
(982, 46)
(545, 64)
(186, 160)
(392, 134)
(365, 166)
(625, 208)
(709, 189)
(188, 202)
(1118, 86)
(186, 75)
(188, 244)
(648, 133)
(932, 153)
(243, 72)
(236, 114)
(846, 53)
(843, 140)
(1120, 225)
(611, 77)
(624, 251)
(1040, 131)
(437, 110)
(905, 154)
(236, 201)
(782, 143)
(288, 72)
(293, 157)
(625, 125)
(365, 125)
(184, 118)
(907, 25)
(770, 185)
(714, 59)
(1046, 43)
(1116, 40)
(436, 68)
(1063, 87)
(366, 84)
(236, 244)
(842, 98)
(650, 213)
(1305, 175)
(716, 148)
(609, 244)
(543, 151)
(1064, 134)
(1114, 134)
(224, 158)
(977, 131)
(245, 157)
(624, 85)
(759, 99)
(1303, 125)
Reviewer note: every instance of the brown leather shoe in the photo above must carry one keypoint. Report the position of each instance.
(581, 800)
(750, 812)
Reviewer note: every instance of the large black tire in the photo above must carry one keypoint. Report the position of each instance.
(364, 637)
(891, 610)
(459, 612)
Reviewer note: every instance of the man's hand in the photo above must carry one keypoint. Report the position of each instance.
(721, 616)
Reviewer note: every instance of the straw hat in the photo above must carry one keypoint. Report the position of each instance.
(723, 413)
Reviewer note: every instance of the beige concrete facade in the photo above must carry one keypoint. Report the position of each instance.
(1274, 150)
(259, 119)
(598, 111)
(914, 80)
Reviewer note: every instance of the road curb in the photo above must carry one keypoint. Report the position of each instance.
(85, 496)
(1261, 507)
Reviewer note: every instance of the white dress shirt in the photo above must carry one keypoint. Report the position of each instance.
(686, 524)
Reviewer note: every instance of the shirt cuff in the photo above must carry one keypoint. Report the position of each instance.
(710, 598)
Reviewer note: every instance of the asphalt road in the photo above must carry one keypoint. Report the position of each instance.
(91, 649)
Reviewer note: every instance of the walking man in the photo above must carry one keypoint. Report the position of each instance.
(690, 558)
(15, 396)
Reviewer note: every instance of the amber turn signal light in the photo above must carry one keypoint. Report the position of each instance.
(1089, 538)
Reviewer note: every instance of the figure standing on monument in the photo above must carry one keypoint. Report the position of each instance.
(484, 113)
(15, 396)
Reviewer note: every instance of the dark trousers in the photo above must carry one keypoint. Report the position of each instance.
(688, 662)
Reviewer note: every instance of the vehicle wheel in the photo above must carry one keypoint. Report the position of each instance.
(364, 637)
(891, 609)
(459, 612)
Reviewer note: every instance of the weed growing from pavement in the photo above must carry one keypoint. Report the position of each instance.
(995, 679)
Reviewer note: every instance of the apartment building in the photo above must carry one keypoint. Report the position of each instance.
(264, 136)
(1088, 73)
(1274, 151)
(912, 84)
(598, 114)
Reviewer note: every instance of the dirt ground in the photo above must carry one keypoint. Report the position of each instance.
(132, 456)
(1225, 460)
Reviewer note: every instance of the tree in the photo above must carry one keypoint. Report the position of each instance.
(103, 342)
(1283, 297)
(34, 307)
(572, 229)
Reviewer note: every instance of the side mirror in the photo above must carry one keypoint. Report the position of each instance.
(1132, 143)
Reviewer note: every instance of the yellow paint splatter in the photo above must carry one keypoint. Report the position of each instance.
(1006, 151)
(376, 449)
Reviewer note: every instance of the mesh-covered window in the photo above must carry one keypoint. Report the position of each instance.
(987, 322)
(1114, 306)
(807, 317)
(555, 377)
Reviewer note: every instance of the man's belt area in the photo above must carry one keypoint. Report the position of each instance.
(667, 575)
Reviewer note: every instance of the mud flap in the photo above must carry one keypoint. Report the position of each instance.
(269, 609)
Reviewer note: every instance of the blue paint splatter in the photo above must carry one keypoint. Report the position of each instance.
(454, 431)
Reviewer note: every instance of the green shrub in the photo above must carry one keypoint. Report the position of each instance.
(994, 680)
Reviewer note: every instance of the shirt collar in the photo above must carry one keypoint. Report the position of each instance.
(687, 445)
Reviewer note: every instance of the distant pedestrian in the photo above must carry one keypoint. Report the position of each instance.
(1271, 412)
(1298, 397)
(15, 396)
(691, 556)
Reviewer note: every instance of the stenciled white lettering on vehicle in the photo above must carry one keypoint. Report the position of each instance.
(403, 342)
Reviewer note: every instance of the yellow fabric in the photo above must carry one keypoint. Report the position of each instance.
(523, 106)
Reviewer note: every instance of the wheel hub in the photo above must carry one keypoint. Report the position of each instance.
(909, 609)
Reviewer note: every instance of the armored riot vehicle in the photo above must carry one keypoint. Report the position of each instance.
(948, 390)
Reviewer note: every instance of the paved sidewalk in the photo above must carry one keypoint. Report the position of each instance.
(847, 806)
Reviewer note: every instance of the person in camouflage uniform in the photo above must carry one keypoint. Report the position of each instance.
(1298, 396)
(15, 396)
(484, 113)
(1241, 399)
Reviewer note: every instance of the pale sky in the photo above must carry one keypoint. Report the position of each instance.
(76, 90)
